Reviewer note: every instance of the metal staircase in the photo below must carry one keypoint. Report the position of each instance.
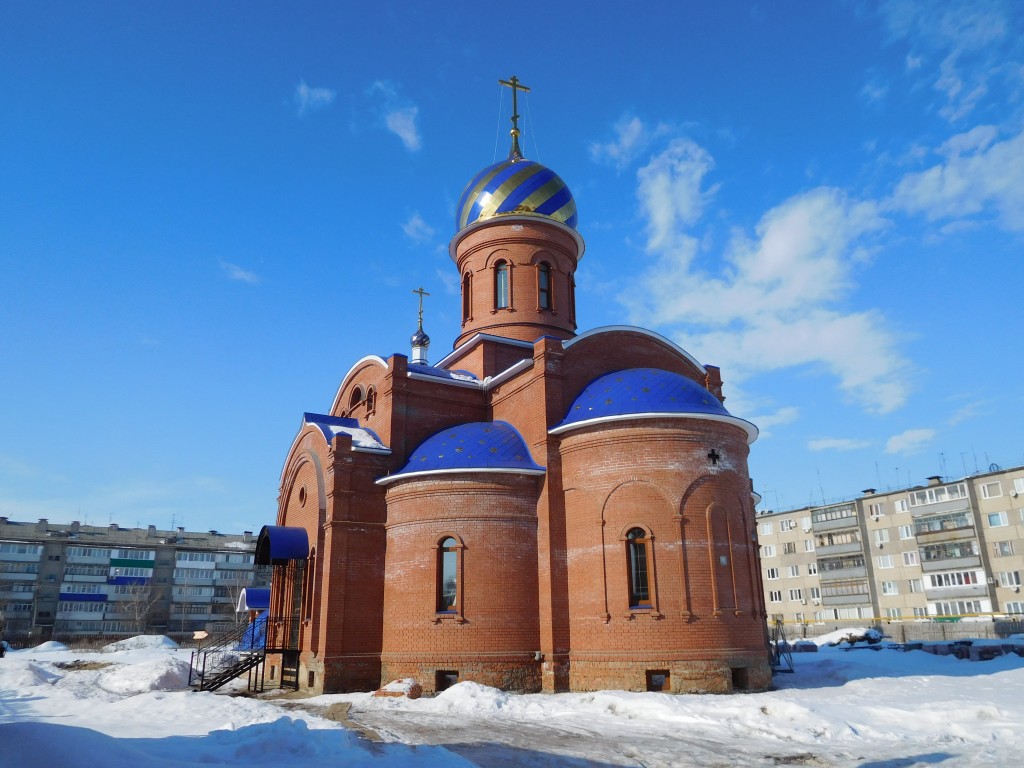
(232, 654)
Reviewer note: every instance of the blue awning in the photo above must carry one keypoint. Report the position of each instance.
(277, 544)
(253, 599)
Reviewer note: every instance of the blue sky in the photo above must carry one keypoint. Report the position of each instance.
(208, 212)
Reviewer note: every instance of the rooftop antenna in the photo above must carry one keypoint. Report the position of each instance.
(942, 460)
(515, 153)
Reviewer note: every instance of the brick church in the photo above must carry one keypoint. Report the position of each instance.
(537, 510)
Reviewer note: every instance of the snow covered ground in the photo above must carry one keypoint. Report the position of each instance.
(128, 706)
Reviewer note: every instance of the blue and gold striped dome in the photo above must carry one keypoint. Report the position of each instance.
(515, 187)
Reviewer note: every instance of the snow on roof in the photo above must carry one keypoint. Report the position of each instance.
(363, 438)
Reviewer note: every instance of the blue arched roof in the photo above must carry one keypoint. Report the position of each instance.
(482, 446)
(638, 392)
(280, 543)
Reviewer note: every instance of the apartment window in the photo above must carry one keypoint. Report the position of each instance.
(885, 561)
(447, 575)
(787, 525)
(794, 571)
(775, 596)
(771, 574)
(890, 588)
(799, 616)
(906, 532)
(958, 607)
(808, 545)
(502, 289)
(636, 554)
(920, 613)
(544, 286)
(836, 539)
(916, 585)
(1009, 579)
(812, 569)
(910, 558)
(815, 593)
(17, 548)
(768, 550)
(991, 490)
(997, 520)
(938, 494)
(949, 522)
(901, 505)
(1014, 607)
(789, 548)
(1002, 548)
(954, 579)
(805, 523)
(892, 613)
(876, 510)
(766, 529)
(836, 512)
(882, 536)
(1018, 484)
(796, 594)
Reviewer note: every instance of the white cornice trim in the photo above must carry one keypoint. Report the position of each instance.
(746, 426)
(367, 359)
(476, 339)
(642, 331)
(467, 471)
(508, 373)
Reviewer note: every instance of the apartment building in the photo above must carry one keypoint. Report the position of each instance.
(68, 581)
(946, 550)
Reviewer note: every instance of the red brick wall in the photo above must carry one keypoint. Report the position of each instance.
(523, 245)
(706, 617)
(493, 634)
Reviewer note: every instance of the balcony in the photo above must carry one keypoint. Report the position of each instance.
(951, 563)
(946, 534)
(836, 600)
(952, 593)
(852, 547)
(843, 574)
(842, 523)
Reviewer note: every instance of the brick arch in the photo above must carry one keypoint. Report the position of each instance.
(633, 503)
(498, 254)
(303, 457)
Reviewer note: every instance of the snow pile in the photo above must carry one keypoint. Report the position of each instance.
(160, 675)
(48, 647)
(468, 698)
(141, 642)
(20, 674)
(843, 707)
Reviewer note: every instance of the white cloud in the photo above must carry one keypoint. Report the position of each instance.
(969, 45)
(417, 229)
(836, 444)
(311, 99)
(398, 114)
(774, 303)
(910, 441)
(669, 188)
(631, 138)
(977, 174)
(235, 272)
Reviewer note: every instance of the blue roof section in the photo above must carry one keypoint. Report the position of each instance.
(644, 391)
(442, 373)
(280, 543)
(488, 446)
(253, 599)
(329, 426)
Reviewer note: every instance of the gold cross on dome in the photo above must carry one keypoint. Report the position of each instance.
(422, 293)
(513, 83)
